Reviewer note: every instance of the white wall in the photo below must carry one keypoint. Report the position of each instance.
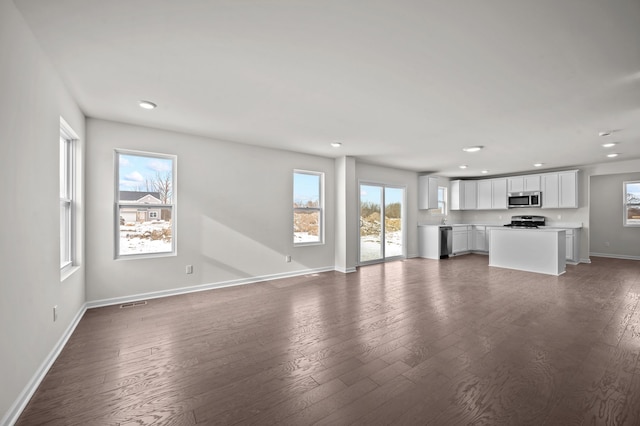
(377, 174)
(32, 101)
(234, 213)
(608, 235)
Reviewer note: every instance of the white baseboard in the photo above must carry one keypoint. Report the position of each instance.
(203, 287)
(587, 260)
(615, 256)
(11, 417)
(346, 270)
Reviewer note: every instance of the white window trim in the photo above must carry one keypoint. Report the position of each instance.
(70, 137)
(625, 205)
(319, 209)
(118, 205)
(446, 201)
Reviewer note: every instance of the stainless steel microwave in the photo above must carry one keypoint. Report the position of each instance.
(524, 199)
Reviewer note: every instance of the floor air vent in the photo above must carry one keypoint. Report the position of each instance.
(133, 304)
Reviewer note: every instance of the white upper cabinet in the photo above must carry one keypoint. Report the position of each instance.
(560, 190)
(457, 194)
(464, 195)
(470, 194)
(492, 194)
(550, 191)
(485, 194)
(499, 193)
(568, 184)
(427, 192)
(524, 183)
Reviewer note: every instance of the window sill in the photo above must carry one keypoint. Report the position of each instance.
(67, 272)
(308, 244)
(145, 256)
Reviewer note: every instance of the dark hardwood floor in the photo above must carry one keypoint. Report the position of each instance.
(416, 342)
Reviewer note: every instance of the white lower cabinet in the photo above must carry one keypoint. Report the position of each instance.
(460, 239)
(573, 245)
(479, 238)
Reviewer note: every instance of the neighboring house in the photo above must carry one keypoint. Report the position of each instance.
(130, 214)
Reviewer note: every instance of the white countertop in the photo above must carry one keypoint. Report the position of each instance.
(552, 225)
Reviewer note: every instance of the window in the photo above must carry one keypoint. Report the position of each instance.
(631, 203)
(67, 194)
(308, 207)
(442, 200)
(145, 204)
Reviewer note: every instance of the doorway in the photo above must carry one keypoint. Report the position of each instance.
(381, 222)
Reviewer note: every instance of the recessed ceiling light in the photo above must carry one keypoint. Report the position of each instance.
(472, 148)
(538, 164)
(484, 172)
(613, 154)
(336, 144)
(147, 105)
(464, 166)
(610, 144)
(605, 133)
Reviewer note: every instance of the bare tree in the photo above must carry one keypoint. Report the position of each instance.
(162, 185)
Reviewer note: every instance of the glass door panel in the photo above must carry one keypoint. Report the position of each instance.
(371, 199)
(393, 235)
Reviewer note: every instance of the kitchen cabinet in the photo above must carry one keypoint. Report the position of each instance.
(429, 241)
(573, 245)
(560, 190)
(427, 192)
(524, 183)
(456, 194)
(499, 193)
(464, 194)
(485, 194)
(492, 194)
(479, 238)
(568, 188)
(460, 239)
(470, 194)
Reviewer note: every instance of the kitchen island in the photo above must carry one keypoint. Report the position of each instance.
(532, 250)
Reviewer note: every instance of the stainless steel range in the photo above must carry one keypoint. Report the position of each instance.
(526, 222)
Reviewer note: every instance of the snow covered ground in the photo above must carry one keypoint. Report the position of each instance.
(370, 246)
(132, 243)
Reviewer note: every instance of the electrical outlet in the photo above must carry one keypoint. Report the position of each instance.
(607, 244)
(559, 216)
(55, 313)
(287, 258)
(189, 269)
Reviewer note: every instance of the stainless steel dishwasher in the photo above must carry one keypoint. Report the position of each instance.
(446, 241)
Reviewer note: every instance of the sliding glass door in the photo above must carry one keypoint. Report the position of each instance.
(381, 222)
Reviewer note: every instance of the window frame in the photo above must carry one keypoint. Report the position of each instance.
(626, 204)
(118, 205)
(319, 209)
(443, 210)
(67, 188)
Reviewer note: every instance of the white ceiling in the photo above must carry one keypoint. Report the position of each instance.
(400, 83)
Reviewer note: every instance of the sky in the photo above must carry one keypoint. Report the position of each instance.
(634, 189)
(374, 193)
(306, 188)
(136, 170)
